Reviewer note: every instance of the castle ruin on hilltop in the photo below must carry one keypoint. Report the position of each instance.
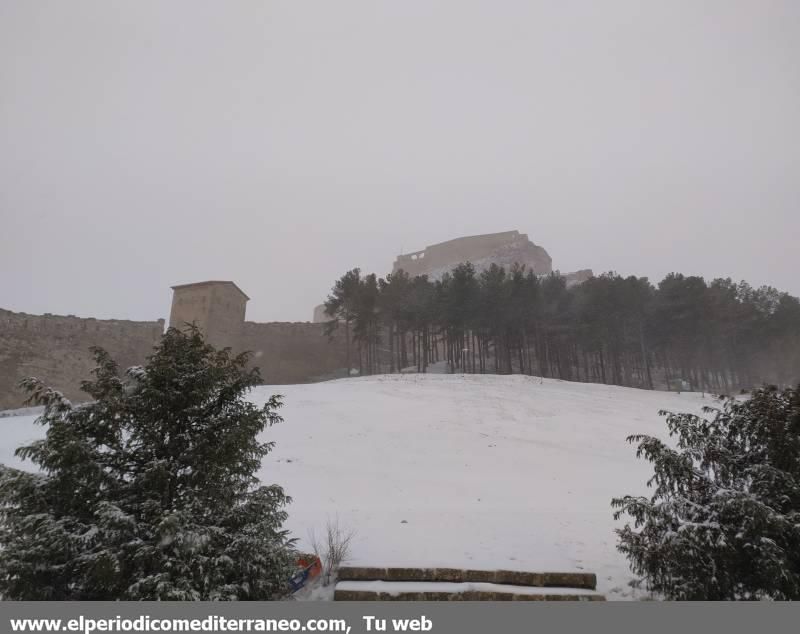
(503, 249)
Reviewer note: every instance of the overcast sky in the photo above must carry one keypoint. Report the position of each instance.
(278, 144)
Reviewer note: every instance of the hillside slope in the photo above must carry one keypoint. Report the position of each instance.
(451, 470)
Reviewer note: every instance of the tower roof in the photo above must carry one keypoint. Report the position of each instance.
(210, 283)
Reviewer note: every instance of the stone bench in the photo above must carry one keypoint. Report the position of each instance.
(457, 584)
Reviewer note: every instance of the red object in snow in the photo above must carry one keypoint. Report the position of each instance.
(310, 567)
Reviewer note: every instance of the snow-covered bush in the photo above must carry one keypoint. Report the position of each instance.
(149, 491)
(333, 548)
(724, 520)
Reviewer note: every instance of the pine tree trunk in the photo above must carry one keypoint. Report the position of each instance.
(391, 348)
(347, 344)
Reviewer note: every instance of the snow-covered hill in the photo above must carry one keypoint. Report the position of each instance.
(451, 470)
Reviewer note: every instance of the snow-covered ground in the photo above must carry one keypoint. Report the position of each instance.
(473, 471)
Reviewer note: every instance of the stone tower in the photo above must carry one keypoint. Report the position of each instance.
(217, 307)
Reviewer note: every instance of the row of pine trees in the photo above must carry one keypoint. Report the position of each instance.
(684, 333)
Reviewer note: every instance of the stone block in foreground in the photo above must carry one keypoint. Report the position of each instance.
(581, 580)
(448, 591)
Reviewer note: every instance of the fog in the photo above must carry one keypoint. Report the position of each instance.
(278, 144)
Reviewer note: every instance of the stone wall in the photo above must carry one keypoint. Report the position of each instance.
(55, 349)
(284, 352)
(287, 352)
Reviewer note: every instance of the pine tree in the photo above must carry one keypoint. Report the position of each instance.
(724, 520)
(341, 306)
(149, 491)
(683, 333)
